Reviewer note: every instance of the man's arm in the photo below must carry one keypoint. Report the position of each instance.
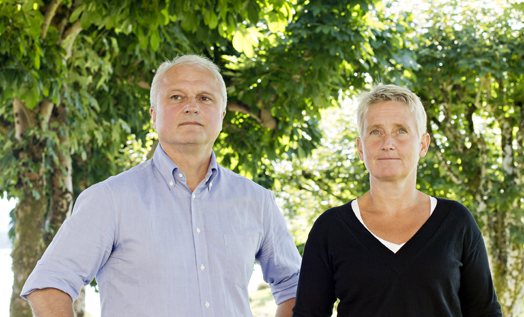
(51, 302)
(285, 308)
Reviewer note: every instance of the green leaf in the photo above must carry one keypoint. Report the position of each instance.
(21, 47)
(252, 12)
(210, 19)
(37, 61)
(74, 16)
(155, 40)
(86, 20)
(142, 40)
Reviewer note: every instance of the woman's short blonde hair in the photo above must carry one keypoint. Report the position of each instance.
(383, 93)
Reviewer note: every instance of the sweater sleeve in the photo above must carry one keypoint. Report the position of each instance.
(316, 286)
(477, 293)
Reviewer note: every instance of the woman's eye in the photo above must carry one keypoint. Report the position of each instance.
(375, 132)
(402, 131)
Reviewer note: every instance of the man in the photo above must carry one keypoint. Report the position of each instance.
(177, 235)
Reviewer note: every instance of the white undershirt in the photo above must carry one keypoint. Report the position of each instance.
(390, 245)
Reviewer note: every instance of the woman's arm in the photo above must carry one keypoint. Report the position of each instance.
(477, 293)
(316, 286)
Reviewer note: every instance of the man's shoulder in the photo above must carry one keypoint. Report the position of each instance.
(228, 175)
(133, 176)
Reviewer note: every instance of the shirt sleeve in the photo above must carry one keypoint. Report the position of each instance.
(316, 285)
(81, 246)
(278, 255)
(477, 293)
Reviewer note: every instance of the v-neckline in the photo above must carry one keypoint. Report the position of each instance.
(410, 247)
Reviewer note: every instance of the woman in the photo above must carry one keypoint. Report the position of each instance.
(395, 251)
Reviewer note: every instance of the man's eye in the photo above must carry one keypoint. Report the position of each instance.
(206, 98)
(176, 97)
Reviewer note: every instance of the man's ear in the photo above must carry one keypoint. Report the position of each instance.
(152, 112)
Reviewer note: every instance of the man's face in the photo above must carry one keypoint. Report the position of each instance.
(189, 107)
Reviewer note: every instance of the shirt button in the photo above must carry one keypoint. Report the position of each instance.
(180, 175)
(210, 184)
(198, 230)
(194, 196)
(171, 183)
(207, 304)
(202, 267)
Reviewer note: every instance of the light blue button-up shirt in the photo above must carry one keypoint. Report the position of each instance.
(158, 249)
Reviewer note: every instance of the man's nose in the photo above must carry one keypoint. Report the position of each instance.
(192, 106)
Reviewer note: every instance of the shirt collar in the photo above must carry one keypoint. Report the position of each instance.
(167, 168)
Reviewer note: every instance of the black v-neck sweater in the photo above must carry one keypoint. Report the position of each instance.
(441, 271)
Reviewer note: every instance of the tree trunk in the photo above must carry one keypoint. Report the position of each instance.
(29, 245)
(79, 306)
(32, 206)
(61, 178)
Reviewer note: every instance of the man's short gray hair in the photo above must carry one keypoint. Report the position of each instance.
(193, 60)
(383, 93)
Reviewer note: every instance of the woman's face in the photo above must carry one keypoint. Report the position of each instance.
(390, 145)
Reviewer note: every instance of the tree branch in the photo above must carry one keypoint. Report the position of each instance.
(153, 149)
(506, 144)
(442, 160)
(143, 84)
(23, 118)
(49, 15)
(46, 108)
(321, 188)
(69, 37)
(265, 119)
(520, 146)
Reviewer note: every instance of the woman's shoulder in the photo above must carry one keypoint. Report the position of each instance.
(458, 212)
(335, 213)
(331, 223)
(332, 218)
(451, 204)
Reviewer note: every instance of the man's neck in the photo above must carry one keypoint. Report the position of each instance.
(194, 163)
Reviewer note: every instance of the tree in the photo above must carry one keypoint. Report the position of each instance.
(74, 89)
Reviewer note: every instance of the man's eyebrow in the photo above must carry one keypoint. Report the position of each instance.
(205, 92)
(374, 126)
(380, 126)
(201, 92)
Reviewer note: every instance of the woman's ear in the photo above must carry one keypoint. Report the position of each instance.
(424, 144)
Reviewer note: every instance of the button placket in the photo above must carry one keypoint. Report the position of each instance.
(201, 258)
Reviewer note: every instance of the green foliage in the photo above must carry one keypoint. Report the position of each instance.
(331, 176)
(327, 48)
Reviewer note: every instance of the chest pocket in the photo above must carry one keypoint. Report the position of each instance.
(240, 251)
